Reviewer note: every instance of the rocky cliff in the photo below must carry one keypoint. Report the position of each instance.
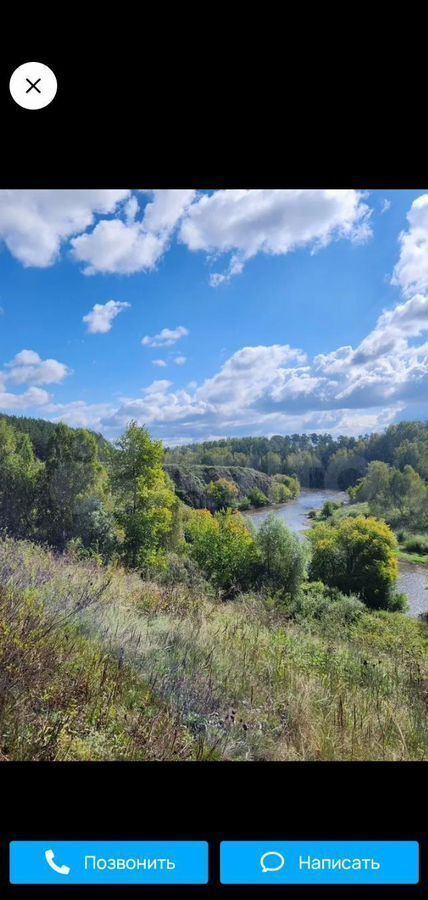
(191, 482)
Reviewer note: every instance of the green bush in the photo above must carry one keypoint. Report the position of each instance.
(416, 543)
(257, 497)
(357, 556)
(224, 548)
(223, 493)
(282, 557)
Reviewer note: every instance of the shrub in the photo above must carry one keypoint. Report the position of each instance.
(258, 498)
(416, 543)
(282, 556)
(357, 556)
(224, 547)
(223, 493)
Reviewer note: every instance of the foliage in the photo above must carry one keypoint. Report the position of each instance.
(71, 472)
(257, 498)
(19, 472)
(357, 556)
(399, 496)
(282, 557)
(144, 497)
(314, 457)
(224, 548)
(150, 671)
(222, 493)
(284, 488)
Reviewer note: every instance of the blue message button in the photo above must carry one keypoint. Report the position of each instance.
(319, 862)
(109, 862)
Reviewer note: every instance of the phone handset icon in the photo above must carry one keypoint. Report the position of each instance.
(61, 870)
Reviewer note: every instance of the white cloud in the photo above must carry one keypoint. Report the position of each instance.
(166, 337)
(180, 360)
(386, 206)
(159, 362)
(246, 222)
(140, 225)
(411, 271)
(34, 223)
(27, 367)
(100, 319)
(116, 247)
(166, 209)
(34, 397)
(133, 245)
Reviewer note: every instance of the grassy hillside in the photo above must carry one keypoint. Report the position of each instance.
(96, 663)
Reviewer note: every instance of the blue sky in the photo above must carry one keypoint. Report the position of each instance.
(206, 314)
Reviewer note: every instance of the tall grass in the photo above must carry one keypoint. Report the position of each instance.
(96, 663)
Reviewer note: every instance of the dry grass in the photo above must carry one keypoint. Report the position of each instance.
(108, 666)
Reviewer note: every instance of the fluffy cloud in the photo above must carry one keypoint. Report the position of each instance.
(180, 360)
(34, 397)
(100, 319)
(411, 271)
(34, 223)
(269, 389)
(246, 222)
(166, 337)
(27, 367)
(133, 245)
(140, 225)
(159, 362)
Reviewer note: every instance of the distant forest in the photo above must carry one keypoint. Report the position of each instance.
(317, 460)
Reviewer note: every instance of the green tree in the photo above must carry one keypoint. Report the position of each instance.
(282, 556)
(71, 472)
(224, 548)
(144, 495)
(223, 493)
(19, 471)
(357, 556)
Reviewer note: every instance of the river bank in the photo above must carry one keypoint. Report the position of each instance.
(413, 578)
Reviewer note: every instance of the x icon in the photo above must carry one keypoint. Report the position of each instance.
(33, 86)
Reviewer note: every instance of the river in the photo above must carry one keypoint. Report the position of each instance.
(413, 579)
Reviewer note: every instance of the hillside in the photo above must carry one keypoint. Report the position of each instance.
(41, 430)
(191, 482)
(104, 665)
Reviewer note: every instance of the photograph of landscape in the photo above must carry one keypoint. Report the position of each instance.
(213, 475)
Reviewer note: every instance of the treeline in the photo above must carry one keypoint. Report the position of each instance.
(398, 496)
(317, 460)
(40, 432)
(120, 507)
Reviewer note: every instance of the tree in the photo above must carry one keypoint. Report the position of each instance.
(399, 496)
(224, 548)
(282, 556)
(71, 472)
(284, 488)
(19, 471)
(223, 493)
(145, 497)
(357, 556)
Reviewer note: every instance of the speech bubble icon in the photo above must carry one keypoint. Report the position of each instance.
(278, 861)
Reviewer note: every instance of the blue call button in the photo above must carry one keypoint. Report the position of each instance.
(108, 862)
(319, 862)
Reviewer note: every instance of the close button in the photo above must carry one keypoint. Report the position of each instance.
(33, 85)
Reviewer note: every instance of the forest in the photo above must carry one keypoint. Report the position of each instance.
(143, 616)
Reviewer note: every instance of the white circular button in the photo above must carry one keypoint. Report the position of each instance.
(33, 85)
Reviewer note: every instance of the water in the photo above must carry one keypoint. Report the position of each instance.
(295, 513)
(413, 579)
